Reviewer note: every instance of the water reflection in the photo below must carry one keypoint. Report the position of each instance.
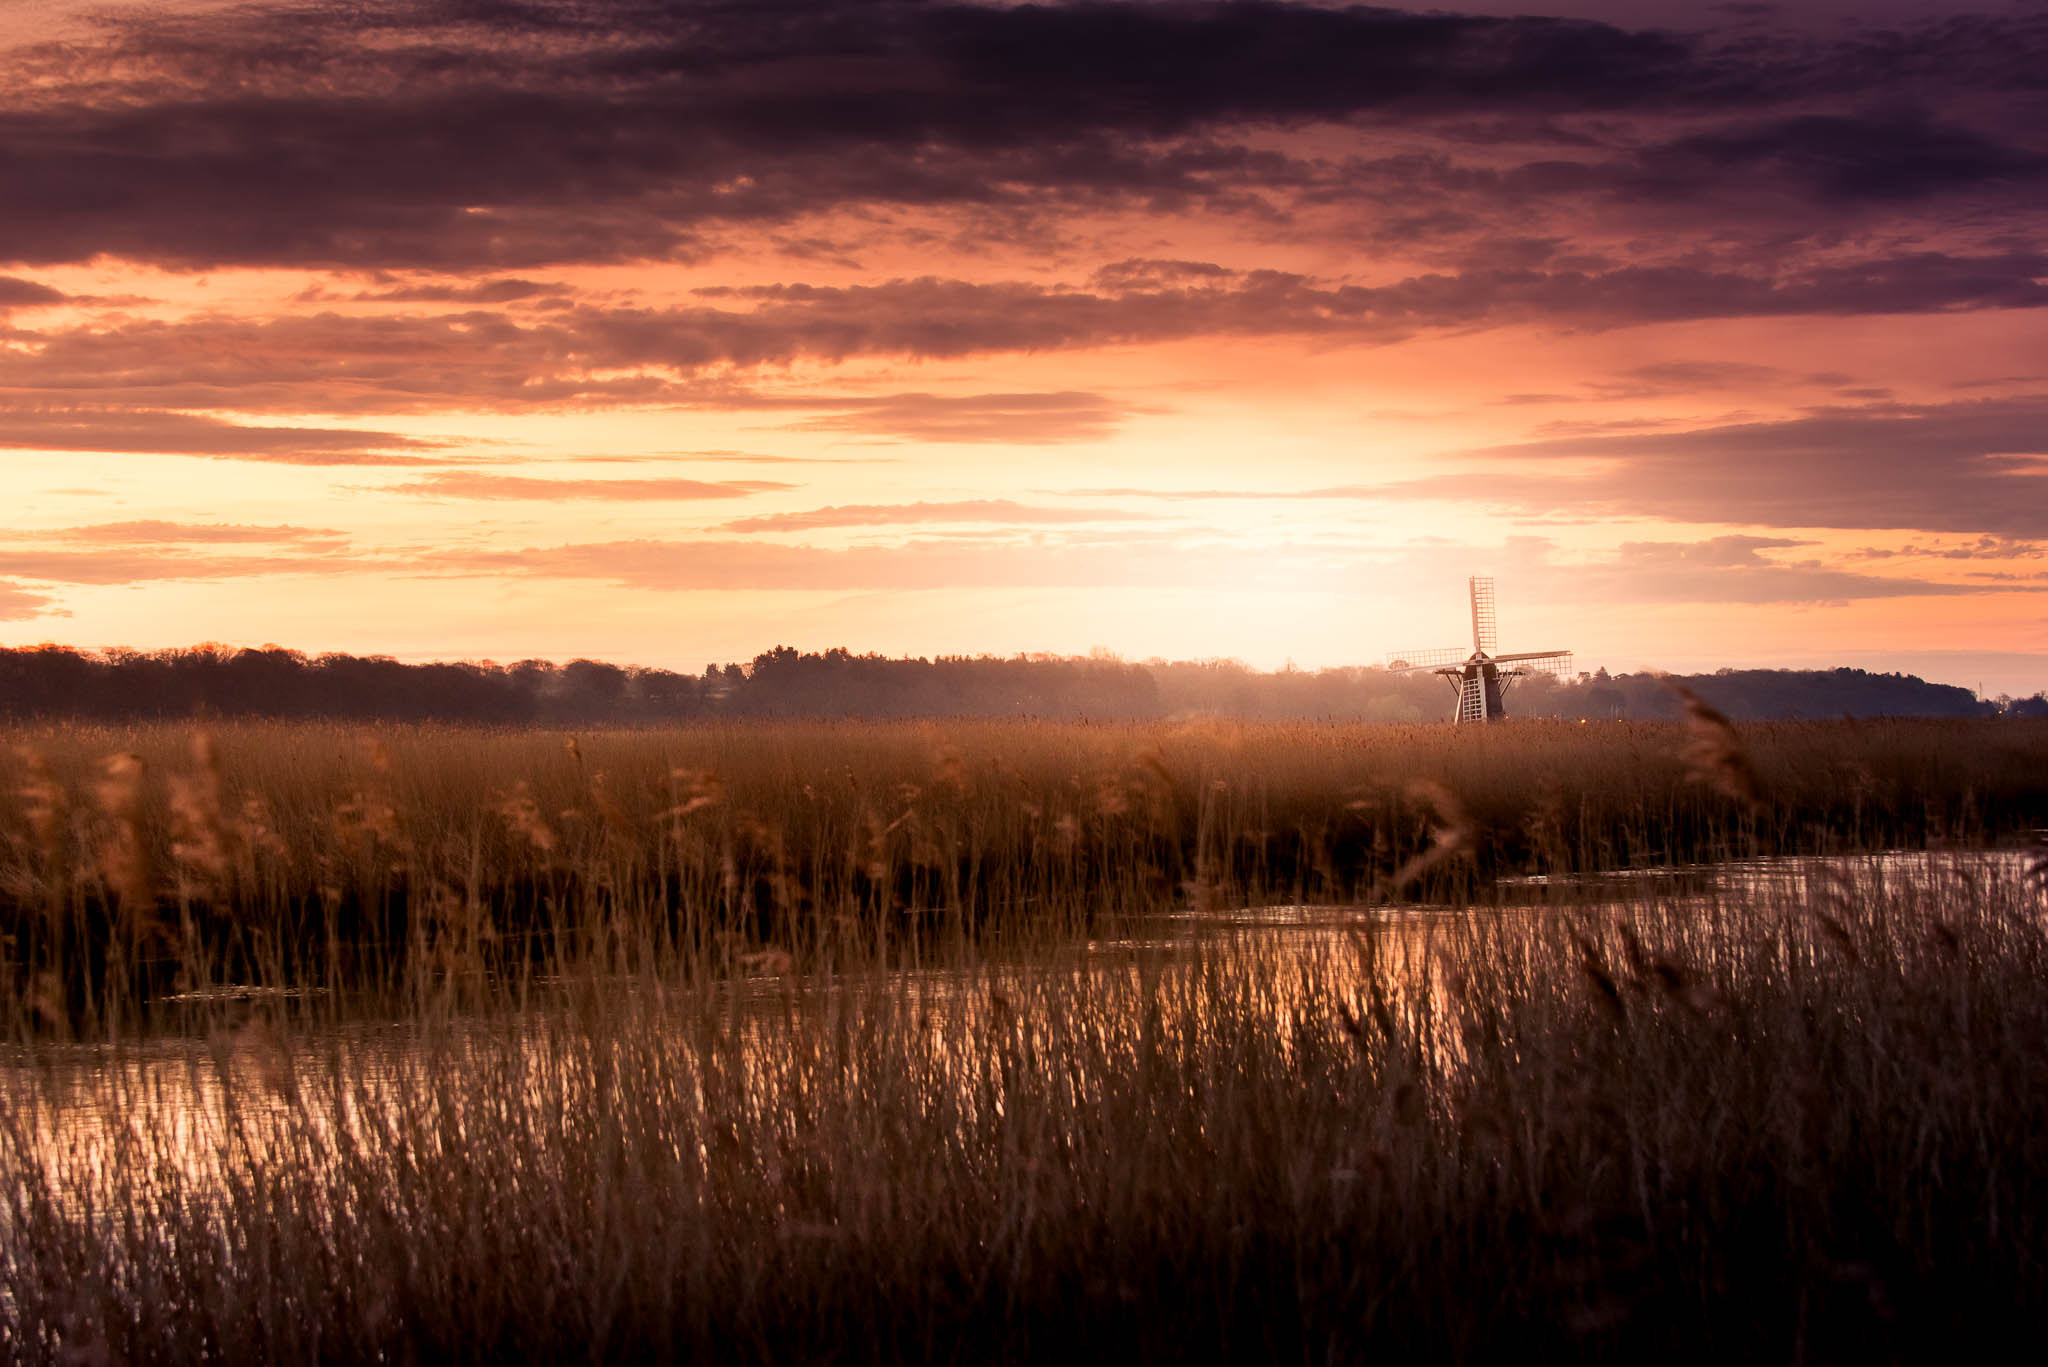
(98, 1131)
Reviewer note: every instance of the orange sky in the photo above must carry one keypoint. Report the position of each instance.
(667, 332)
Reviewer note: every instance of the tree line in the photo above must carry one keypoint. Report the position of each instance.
(60, 683)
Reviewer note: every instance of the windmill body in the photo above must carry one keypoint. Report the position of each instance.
(1480, 680)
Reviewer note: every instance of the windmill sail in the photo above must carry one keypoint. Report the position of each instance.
(1557, 662)
(1402, 661)
(1472, 699)
(1484, 637)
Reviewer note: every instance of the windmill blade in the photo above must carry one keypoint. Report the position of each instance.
(1543, 661)
(1407, 661)
(1484, 635)
(1472, 700)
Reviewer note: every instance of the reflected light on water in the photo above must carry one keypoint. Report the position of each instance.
(103, 1128)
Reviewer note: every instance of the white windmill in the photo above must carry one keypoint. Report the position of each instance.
(1479, 679)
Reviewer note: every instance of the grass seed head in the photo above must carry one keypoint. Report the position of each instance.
(123, 857)
(1714, 754)
(200, 836)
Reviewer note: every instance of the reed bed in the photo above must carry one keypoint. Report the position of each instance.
(1807, 1125)
(139, 862)
(873, 1044)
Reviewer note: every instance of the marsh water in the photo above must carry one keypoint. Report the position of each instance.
(265, 1082)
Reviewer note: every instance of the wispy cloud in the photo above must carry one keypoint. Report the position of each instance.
(18, 604)
(478, 485)
(137, 430)
(1002, 511)
(504, 290)
(1330, 491)
(139, 565)
(1019, 418)
(752, 458)
(1725, 569)
(153, 532)
(1738, 569)
(932, 563)
(1717, 570)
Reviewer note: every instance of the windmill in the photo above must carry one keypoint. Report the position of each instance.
(1479, 679)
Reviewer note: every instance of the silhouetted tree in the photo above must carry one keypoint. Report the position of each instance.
(209, 680)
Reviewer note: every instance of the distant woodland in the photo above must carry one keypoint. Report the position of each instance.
(56, 683)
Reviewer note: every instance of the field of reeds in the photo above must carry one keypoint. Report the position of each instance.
(954, 1042)
(138, 863)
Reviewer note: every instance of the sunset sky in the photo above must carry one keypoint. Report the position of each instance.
(665, 332)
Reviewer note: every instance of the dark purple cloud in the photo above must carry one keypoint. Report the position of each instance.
(16, 293)
(320, 362)
(1977, 467)
(350, 364)
(1889, 155)
(937, 318)
(456, 134)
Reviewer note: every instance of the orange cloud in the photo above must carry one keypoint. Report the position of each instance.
(476, 485)
(997, 510)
